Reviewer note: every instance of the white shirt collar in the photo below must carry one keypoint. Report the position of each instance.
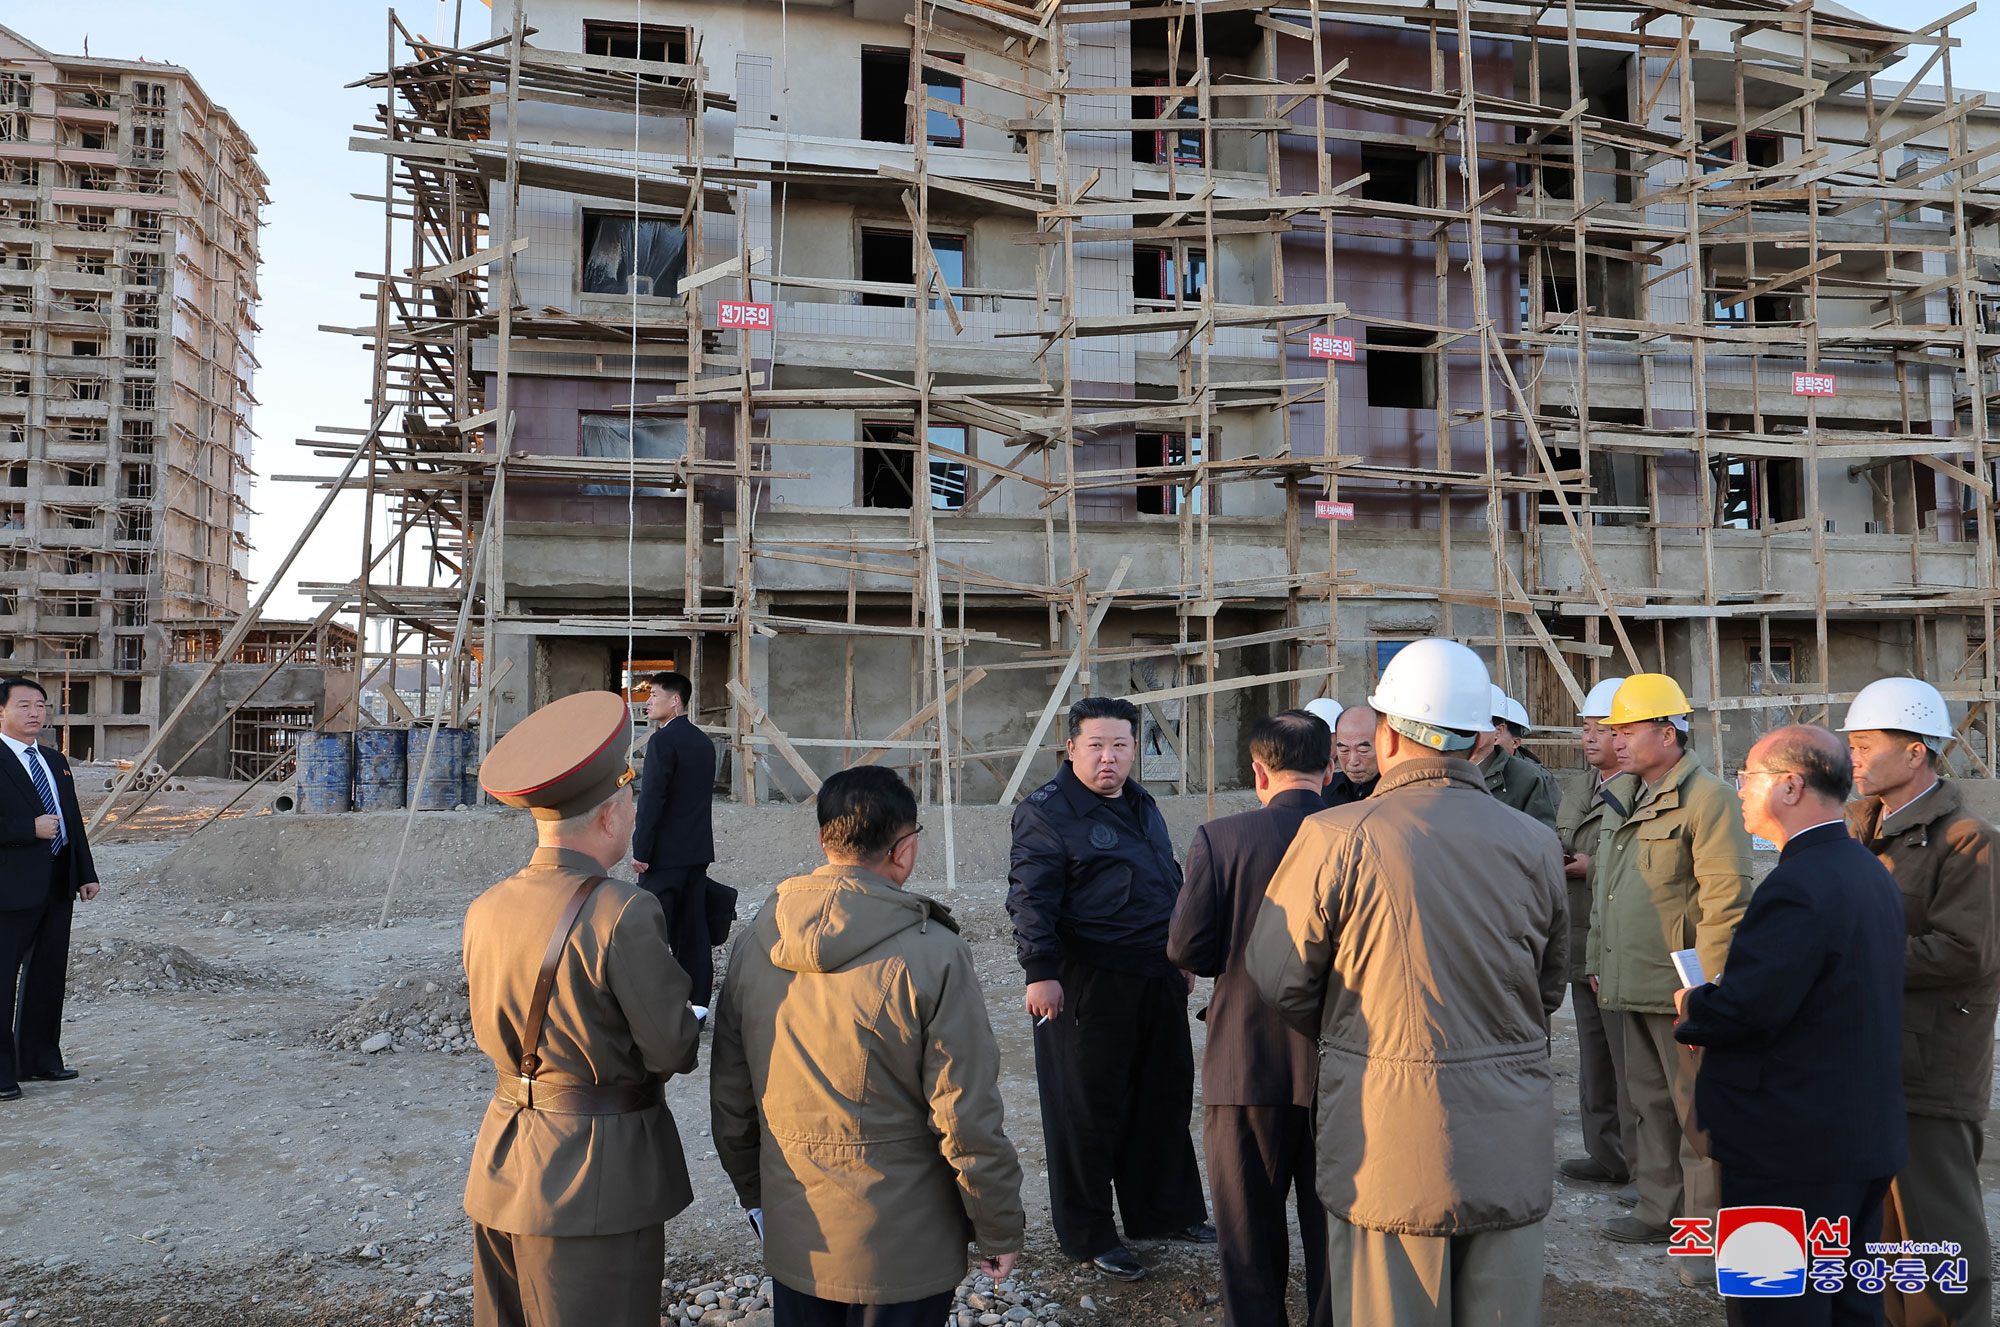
(1841, 821)
(19, 748)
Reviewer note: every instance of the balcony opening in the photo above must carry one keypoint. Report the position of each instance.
(1395, 175)
(1402, 369)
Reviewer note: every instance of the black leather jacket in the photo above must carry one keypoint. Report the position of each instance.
(1083, 883)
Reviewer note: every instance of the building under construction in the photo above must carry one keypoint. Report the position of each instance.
(128, 290)
(901, 371)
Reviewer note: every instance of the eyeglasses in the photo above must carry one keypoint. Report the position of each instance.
(1742, 775)
(899, 842)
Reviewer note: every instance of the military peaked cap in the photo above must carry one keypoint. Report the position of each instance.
(566, 758)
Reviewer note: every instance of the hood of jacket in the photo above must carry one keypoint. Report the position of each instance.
(824, 921)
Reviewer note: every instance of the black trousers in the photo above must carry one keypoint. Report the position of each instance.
(1858, 1200)
(683, 893)
(1116, 1074)
(1255, 1155)
(34, 962)
(795, 1308)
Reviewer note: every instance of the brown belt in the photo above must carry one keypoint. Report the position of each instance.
(578, 1099)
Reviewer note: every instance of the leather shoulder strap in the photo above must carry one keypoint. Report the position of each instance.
(538, 1007)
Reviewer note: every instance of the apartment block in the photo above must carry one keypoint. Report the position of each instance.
(902, 371)
(129, 216)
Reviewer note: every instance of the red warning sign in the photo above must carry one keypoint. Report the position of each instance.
(1812, 384)
(1333, 511)
(751, 317)
(1325, 345)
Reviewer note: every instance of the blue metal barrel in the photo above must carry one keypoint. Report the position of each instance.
(381, 759)
(444, 787)
(470, 796)
(326, 772)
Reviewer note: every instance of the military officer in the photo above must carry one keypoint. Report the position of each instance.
(577, 1000)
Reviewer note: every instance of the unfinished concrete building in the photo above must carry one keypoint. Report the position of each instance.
(902, 370)
(128, 290)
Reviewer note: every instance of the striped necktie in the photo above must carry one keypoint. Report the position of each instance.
(47, 789)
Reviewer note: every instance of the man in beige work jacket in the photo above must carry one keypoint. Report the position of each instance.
(577, 1000)
(855, 1088)
(1425, 964)
(1674, 874)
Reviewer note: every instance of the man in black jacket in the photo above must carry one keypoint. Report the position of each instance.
(1801, 1088)
(45, 865)
(673, 840)
(1257, 1074)
(1354, 752)
(1090, 888)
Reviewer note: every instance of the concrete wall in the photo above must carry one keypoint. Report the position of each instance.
(294, 684)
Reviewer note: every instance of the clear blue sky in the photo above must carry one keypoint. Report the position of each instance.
(280, 70)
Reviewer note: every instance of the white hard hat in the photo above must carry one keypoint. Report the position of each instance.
(1901, 704)
(1597, 705)
(1439, 689)
(1513, 711)
(1327, 708)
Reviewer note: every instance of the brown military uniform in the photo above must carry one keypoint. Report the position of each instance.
(578, 1163)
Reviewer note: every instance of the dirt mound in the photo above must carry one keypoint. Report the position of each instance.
(416, 1011)
(118, 963)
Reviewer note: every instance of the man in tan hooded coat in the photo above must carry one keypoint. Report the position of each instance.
(855, 1083)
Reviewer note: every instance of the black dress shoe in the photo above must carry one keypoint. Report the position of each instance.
(1117, 1262)
(1201, 1232)
(51, 1076)
(11, 1092)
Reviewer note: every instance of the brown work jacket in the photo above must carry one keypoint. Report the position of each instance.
(854, 1087)
(1421, 937)
(1943, 860)
(618, 1015)
(1582, 816)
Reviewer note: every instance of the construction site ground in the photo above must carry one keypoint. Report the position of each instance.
(231, 1156)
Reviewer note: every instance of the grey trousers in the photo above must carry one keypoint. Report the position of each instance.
(1937, 1198)
(567, 1281)
(1604, 1107)
(1380, 1279)
(1673, 1178)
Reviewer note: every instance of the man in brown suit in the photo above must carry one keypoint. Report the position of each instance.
(577, 1000)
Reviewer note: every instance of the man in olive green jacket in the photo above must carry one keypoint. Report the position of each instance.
(1943, 859)
(1597, 797)
(1674, 874)
(1511, 774)
(855, 1081)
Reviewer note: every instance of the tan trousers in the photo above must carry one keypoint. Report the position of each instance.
(1673, 1178)
(1380, 1279)
(1937, 1198)
(570, 1281)
(1604, 1108)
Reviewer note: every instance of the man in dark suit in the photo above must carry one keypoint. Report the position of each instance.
(674, 839)
(1801, 1087)
(1257, 1074)
(45, 866)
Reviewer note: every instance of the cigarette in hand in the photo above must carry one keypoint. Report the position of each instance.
(1043, 1019)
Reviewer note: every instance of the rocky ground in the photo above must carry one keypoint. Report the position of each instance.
(278, 1098)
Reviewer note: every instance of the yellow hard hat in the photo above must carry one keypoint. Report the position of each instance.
(1648, 696)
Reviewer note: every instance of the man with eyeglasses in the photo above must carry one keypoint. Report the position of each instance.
(1673, 874)
(1091, 887)
(855, 1082)
(577, 1000)
(1799, 1092)
(1941, 855)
